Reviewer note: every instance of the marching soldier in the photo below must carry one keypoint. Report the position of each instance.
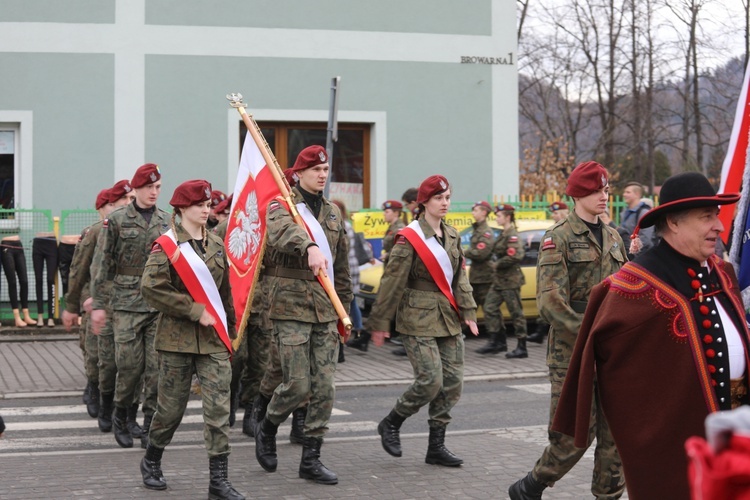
(304, 320)
(480, 252)
(123, 247)
(576, 254)
(559, 210)
(392, 215)
(506, 287)
(81, 270)
(186, 279)
(425, 288)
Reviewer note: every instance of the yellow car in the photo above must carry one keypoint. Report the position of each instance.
(530, 232)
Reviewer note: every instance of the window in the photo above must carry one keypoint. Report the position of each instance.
(350, 174)
(7, 167)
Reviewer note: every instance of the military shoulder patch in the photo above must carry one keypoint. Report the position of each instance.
(275, 205)
(481, 245)
(511, 251)
(156, 248)
(488, 235)
(513, 239)
(400, 240)
(105, 223)
(548, 244)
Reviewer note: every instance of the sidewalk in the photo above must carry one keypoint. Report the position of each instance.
(39, 362)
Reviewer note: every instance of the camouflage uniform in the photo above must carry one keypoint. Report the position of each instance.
(78, 293)
(571, 262)
(304, 320)
(430, 327)
(506, 284)
(123, 247)
(184, 345)
(259, 336)
(390, 236)
(480, 253)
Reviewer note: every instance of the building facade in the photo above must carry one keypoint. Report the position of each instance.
(91, 89)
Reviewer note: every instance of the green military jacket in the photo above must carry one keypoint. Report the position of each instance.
(389, 238)
(178, 329)
(508, 252)
(80, 269)
(286, 247)
(422, 313)
(220, 229)
(570, 263)
(480, 253)
(122, 250)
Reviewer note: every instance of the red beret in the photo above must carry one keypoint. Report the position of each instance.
(484, 205)
(145, 175)
(120, 189)
(505, 208)
(225, 206)
(217, 197)
(393, 205)
(431, 186)
(586, 178)
(102, 198)
(191, 193)
(558, 205)
(310, 157)
(289, 175)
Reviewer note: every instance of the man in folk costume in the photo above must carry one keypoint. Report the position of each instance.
(667, 339)
(304, 319)
(576, 254)
(122, 250)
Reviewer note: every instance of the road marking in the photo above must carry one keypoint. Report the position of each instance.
(533, 388)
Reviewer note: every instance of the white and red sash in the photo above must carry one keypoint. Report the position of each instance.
(315, 230)
(434, 257)
(198, 280)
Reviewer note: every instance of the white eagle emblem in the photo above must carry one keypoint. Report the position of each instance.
(153, 177)
(208, 193)
(244, 239)
(322, 156)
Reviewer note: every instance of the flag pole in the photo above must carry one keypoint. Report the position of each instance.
(235, 100)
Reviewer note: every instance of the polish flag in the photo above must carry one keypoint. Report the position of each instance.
(246, 227)
(734, 164)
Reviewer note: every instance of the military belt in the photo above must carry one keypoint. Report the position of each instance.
(285, 272)
(130, 271)
(579, 306)
(423, 286)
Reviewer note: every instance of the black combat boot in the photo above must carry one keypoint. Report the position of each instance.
(105, 412)
(539, 334)
(342, 358)
(87, 393)
(437, 453)
(220, 488)
(520, 350)
(527, 488)
(92, 407)
(297, 435)
(389, 429)
(310, 466)
(496, 344)
(265, 445)
(147, 419)
(259, 413)
(132, 422)
(247, 428)
(119, 426)
(360, 340)
(153, 478)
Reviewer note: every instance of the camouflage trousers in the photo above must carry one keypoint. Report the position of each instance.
(493, 317)
(90, 347)
(258, 352)
(438, 364)
(175, 375)
(107, 363)
(136, 359)
(479, 291)
(561, 455)
(308, 353)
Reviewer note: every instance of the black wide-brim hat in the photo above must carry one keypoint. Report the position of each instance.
(684, 192)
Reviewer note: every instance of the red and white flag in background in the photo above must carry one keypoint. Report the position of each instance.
(246, 227)
(734, 163)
